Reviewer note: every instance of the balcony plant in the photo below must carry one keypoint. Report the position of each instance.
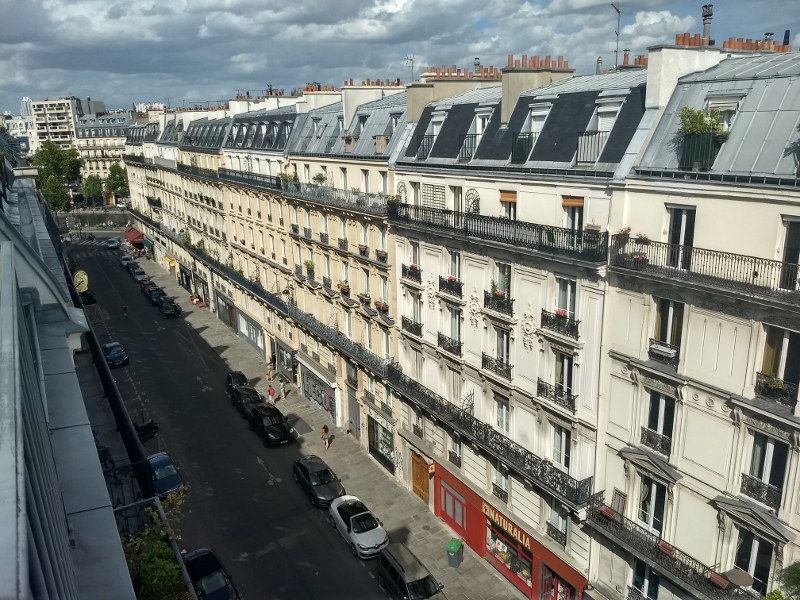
(451, 278)
(623, 235)
(309, 265)
(700, 135)
(774, 383)
(320, 178)
(381, 305)
(497, 291)
(381, 254)
(642, 239)
(414, 267)
(561, 314)
(344, 287)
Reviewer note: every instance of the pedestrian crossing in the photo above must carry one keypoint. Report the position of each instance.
(100, 243)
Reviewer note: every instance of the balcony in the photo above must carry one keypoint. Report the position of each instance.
(655, 441)
(664, 352)
(417, 429)
(381, 255)
(555, 533)
(547, 476)
(307, 232)
(451, 286)
(323, 238)
(363, 250)
(761, 491)
(386, 407)
(411, 326)
(468, 144)
(454, 458)
(683, 570)
(352, 380)
(343, 244)
(412, 273)
(499, 492)
(450, 345)
(738, 273)
(154, 202)
(268, 182)
(588, 246)
(298, 271)
(772, 388)
(198, 171)
(295, 228)
(521, 146)
(498, 302)
(424, 145)
(497, 366)
(560, 322)
(374, 204)
(556, 394)
(698, 151)
(590, 146)
(326, 282)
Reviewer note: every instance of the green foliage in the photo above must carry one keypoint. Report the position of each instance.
(117, 180)
(187, 238)
(92, 188)
(55, 161)
(56, 194)
(791, 581)
(320, 178)
(775, 595)
(309, 264)
(701, 121)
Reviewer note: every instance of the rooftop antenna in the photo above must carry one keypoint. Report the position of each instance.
(409, 58)
(616, 51)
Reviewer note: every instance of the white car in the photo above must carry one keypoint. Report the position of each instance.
(112, 243)
(125, 261)
(139, 276)
(358, 526)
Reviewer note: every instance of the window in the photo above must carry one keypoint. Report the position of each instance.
(618, 501)
(508, 205)
(454, 384)
(563, 375)
(791, 255)
(367, 328)
(343, 228)
(561, 446)
(768, 460)
(261, 240)
(454, 314)
(295, 220)
(782, 355)
(457, 193)
(345, 272)
(681, 236)
(414, 253)
(605, 117)
(364, 234)
(566, 296)
(384, 182)
(283, 248)
(727, 109)
(661, 416)
(558, 515)
(416, 307)
(348, 323)
(306, 168)
(573, 213)
(669, 322)
(385, 346)
(308, 218)
(645, 580)
(754, 555)
(502, 344)
(501, 476)
(327, 265)
(297, 254)
(365, 280)
(415, 193)
(455, 264)
(324, 223)
(343, 177)
(382, 239)
(416, 364)
(384, 288)
(455, 444)
(365, 180)
(503, 277)
(502, 414)
(652, 500)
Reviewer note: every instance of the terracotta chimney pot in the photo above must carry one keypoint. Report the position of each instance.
(560, 62)
(566, 64)
(525, 60)
(535, 61)
(517, 63)
(510, 60)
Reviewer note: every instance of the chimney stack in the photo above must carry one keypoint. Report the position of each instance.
(599, 70)
(708, 12)
(626, 56)
(477, 64)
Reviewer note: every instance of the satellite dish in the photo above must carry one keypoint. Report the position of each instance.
(81, 281)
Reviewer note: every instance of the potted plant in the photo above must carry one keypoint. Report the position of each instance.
(381, 254)
(309, 265)
(344, 287)
(364, 297)
(363, 249)
(561, 313)
(700, 135)
(623, 235)
(774, 383)
(640, 260)
(641, 238)
(451, 278)
(414, 267)
(381, 305)
(320, 178)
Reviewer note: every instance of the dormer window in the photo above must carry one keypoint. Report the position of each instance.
(523, 142)
(362, 123)
(726, 108)
(425, 142)
(592, 142)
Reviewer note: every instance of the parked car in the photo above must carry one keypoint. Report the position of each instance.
(87, 298)
(209, 578)
(144, 286)
(317, 479)
(112, 243)
(270, 425)
(131, 266)
(139, 276)
(402, 574)
(244, 397)
(168, 308)
(166, 476)
(358, 526)
(154, 295)
(233, 380)
(124, 261)
(115, 354)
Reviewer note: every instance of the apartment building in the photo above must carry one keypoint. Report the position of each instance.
(100, 140)
(56, 120)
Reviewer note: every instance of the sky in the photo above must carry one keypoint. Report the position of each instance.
(184, 52)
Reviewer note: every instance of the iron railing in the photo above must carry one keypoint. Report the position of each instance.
(307, 232)
(496, 365)
(550, 478)
(451, 286)
(374, 204)
(326, 282)
(454, 458)
(563, 324)
(363, 250)
(590, 146)
(499, 492)
(343, 244)
(381, 255)
(198, 171)
(698, 151)
(656, 441)
(352, 380)
(635, 594)
(556, 394)
(154, 202)
(468, 142)
(417, 430)
(411, 326)
(590, 246)
(521, 146)
(450, 345)
(783, 392)
(555, 533)
(682, 569)
(664, 352)
(498, 302)
(412, 273)
(765, 493)
(760, 277)
(387, 408)
(269, 182)
(132, 158)
(323, 237)
(424, 145)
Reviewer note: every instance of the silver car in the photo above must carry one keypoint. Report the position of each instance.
(358, 526)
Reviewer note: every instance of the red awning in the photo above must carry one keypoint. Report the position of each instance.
(133, 235)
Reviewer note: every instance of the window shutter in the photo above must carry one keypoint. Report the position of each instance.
(571, 201)
(508, 196)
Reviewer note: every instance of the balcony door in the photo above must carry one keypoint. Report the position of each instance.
(566, 296)
(754, 556)
(660, 419)
(681, 237)
(652, 504)
(563, 375)
(503, 345)
(669, 322)
(768, 460)
(645, 580)
(791, 257)
(782, 355)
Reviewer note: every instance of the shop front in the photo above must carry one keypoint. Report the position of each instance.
(285, 360)
(380, 440)
(185, 277)
(226, 310)
(250, 331)
(201, 287)
(529, 565)
(172, 265)
(319, 391)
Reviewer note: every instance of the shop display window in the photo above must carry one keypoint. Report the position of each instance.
(509, 552)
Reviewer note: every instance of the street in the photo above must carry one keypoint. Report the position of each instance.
(242, 501)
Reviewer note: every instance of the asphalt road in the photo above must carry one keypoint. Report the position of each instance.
(242, 501)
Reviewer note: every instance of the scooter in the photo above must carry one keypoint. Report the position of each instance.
(147, 431)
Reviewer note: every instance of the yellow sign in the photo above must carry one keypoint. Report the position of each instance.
(499, 518)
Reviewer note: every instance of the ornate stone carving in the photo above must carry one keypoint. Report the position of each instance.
(629, 283)
(710, 402)
(474, 310)
(528, 328)
(721, 307)
(627, 467)
(658, 385)
(431, 294)
(769, 428)
(669, 294)
(736, 416)
(695, 397)
(721, 521)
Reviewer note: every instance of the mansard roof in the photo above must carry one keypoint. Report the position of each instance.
(262, 129)
(205, 134)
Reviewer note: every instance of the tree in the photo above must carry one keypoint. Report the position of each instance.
(56, 194)
(92, 188)
(117, 181)
(55, 161)
(791, 580)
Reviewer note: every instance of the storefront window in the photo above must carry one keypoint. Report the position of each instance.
(509, 552)
(381, 443)
(554, 588)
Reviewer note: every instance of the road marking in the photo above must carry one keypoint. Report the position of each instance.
(272, 479)
(205, 387)
(370, 574)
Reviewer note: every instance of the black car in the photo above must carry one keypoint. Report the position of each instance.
(244, 397)
(145, 287)
(233, 380)
(115, 354)
(166, 478)
(270, 425)
(317, 480)
(131, 266)
(168, 308)
(209, 578)
(87, 298)
(155, 295)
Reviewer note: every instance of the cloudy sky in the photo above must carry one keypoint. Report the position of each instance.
(192, 51)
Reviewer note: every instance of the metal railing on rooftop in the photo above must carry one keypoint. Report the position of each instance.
(424, 145)
(590, 146)
(521, 146)
(361, 201)
(468, 143)
(198, 171)
(270, 182)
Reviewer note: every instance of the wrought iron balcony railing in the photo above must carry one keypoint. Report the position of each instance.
(765, 493)
(556, 394)
(563, 324)
(411, 326)
(198, 171)
(154, 202)
(682, 569)
(635, 594)
(468, 143)
(450, 345)
(664, 352)
(451, 286)
(655, 441)
(417, 430)
(343, 244)
(386, 407)
(542, 472)
(760, 277)
(589, 246)
(590, 146)
(698, 151)
(412, 272)
(555, 533)
(783, 392)
(497, 365)
(307, 232)
(424, 145)
(521, 146)
(326, 282)
(295, 228)
(499, 492)
(374, 204)
(269, 182)
(454, 458)
(323, 237)
(498, 301)
(352, 380)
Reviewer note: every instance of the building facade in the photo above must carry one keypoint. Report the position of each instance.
(56, 120)
(100, 141)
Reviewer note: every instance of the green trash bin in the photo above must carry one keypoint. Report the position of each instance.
(455, 552)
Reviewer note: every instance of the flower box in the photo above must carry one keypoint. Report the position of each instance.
(609, 512)
(381, 254)
(666, 548)
(452, 279)
(561, 313)
(499, 293)
(344, 288)
(719, 580)
(414, 267)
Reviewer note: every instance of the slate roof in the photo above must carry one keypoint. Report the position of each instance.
(262, 129)
(204, 134)
(104, 125)
(763, 138)
(146, 132)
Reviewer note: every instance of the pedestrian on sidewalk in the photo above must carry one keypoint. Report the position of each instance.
(326, 436)
(125, 310)
(283, 390)
(271, 395)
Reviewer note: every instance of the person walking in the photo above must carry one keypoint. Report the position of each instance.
(326, 436)
(125, 310)
(283, 390)
(271, 395)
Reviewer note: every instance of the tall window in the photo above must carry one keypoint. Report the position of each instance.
(283, 249)
(566, 296)
(457, 193)
(669, 322)
(454, 326)
(382, 238)
(385, 347)
(501, 476)
(502, 345)
(652, 500)
(454, 384)
(345, 272)
(308, 218)
(384, 182)
(791, 256)
(558, 515)
(681, 236)
(327, 265)
(754, 555)
(365, 280)
(563, 375)
(503, 277)
(364, 234)
(416, 364)
(343, 228)
(416, 307)
(295, 220)
(561, 446)
(324, 222)
(660, 418)
(455, 264)
(384, 291)
(768, 460)
(414, 253)
(343, 177)
(297, 254)
(645, 580)
(782, 354)
(365, 180)
(502, 414)
(367, 328)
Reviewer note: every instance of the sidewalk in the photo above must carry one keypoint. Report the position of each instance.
(403, 514)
